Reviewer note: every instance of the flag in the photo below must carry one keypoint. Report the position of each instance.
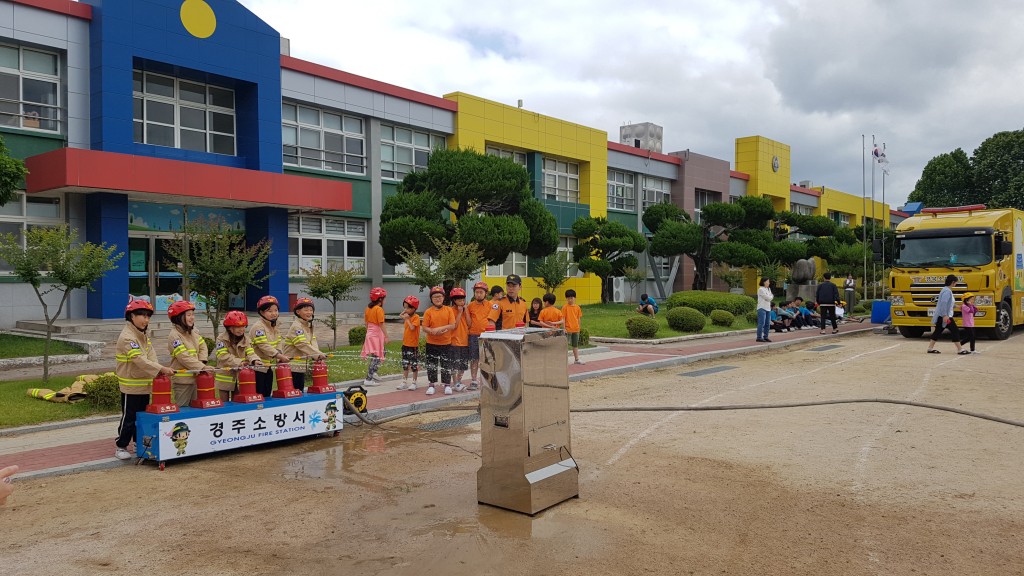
(879, 155)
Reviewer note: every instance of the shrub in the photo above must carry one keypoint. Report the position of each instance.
(103, 391)
(584, 337)
(210, 344)
(705, 302)
(642, 327)
(686, 319)
(723, 318)
(356, 336)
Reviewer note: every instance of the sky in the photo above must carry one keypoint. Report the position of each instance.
(924, 77)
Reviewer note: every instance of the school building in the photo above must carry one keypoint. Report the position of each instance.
(135, 117)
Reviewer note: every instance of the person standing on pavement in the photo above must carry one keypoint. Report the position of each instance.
(850, 290)
(943, 318)
(476, 316)
(511, 309)
(266, 341)
(764, 309)
(438, 322)
(376, 335)
(571, 315)
(188, 349)
(136, 367)
(828, 297)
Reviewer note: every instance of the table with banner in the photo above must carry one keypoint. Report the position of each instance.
(194, 431)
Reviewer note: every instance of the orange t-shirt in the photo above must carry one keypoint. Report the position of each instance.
(411, 336)
(510, 311)
(435, 317)
(550, 314)
(460, 334)
(374, 315)
(572, 314)
(476, 315)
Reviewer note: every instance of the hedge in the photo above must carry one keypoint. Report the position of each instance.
(686, 319)
(722, 318)
(356, 336)
(642, 327)
(706, 302)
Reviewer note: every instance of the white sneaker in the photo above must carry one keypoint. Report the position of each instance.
(430, 390)
(460, 387)
(412, 386)
(370, 383)
(122, 454)
(447, 390)
(474, 385)
(403, 386)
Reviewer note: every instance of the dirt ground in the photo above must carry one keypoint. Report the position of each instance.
(848, 489)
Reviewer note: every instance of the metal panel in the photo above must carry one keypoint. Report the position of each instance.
(706, 371)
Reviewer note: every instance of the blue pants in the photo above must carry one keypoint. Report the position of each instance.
(763, 323)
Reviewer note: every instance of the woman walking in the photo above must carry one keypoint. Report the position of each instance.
(943, 318)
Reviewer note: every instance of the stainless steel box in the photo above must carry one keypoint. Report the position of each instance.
(527, 462)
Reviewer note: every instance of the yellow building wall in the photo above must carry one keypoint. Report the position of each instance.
(755, 155)
(832, 199)
(480, 122)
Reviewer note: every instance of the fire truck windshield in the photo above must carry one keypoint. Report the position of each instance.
(945, 251)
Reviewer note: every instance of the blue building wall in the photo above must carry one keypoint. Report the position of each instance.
(106, 220)
(269, 224)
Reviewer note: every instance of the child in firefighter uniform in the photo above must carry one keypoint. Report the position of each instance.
(188, 351)
(136, 367)
(233, 350)
(300, 341)
(266, 341)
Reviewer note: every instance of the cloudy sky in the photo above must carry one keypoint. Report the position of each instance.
(923, 76)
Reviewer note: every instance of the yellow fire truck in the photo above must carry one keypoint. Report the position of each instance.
(983, 248)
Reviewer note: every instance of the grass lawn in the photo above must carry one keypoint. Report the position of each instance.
(609, 320)
(18, 409)
(13, 346)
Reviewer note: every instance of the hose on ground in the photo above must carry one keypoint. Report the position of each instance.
(366, 420)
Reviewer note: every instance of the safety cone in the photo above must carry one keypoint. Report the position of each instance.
(284, 383)
(206, 395)
(320, 385)
(161, 402)
(246, 388)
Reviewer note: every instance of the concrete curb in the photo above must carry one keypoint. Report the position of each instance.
(672, 339)
(46, 426)
(101, 464)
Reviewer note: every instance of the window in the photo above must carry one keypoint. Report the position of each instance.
(514, 264)
(664, 266)
(27, 212)
(329, 242)
(565, 244)
(514, 155)
(561, 180)
(656, 190)
(840, 218)
(621, 190)
(701, 199)
(801, 209)
(29, 95)
(323, 139)
(178, 113)
(403, 150)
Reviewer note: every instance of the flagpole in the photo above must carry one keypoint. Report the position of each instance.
(874, 291)
(885, 170)
(864, 198)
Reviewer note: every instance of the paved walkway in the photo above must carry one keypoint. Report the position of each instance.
(73, 446)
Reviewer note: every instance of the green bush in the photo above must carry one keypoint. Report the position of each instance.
(723, 318)
(641, 327)
(210, 344)
(584, 337)
(104, 392)
(705, 302)
(356, 336)
(686, 319)
(751, 316)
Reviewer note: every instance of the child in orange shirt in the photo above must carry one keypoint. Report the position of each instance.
(438, 322)
(572, 314)
(476, 318)
(550, 317)
(410, 342)
(460, 338)
(376, 337)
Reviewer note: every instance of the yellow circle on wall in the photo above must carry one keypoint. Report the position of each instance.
(198, 18)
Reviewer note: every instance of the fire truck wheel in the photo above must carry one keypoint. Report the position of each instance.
(1004, 322)
(911, 331)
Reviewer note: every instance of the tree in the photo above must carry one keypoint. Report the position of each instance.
(454, 263)
(52, 256)
(998, 170)
(606, 249)
(552, 271)
(334, 284)
(215, 262)
(12, 173)
(947, 180)
(481, 199)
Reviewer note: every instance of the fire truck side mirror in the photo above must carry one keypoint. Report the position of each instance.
(1003, 248)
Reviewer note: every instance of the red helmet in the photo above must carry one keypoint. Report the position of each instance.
(481, 286)
(437, 290)
(266, 302)
(301, 302)
(179, 307)
(378, 293)
(457, 293)
(235, 318)
(412, 301)
(137, 306)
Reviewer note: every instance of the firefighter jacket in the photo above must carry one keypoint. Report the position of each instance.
(188, 352)
(229, 356)
(300, 344)
(266, 340)
(136, 361)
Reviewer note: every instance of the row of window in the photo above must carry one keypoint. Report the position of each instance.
(622, 190)
(23, 213)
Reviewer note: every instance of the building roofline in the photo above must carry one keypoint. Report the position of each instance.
(66, 7)
(739, 175)
(616, 146)
(802, 190)
(898, 213)
(321, 71)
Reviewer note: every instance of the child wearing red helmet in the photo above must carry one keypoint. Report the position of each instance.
(188, 351)
(300, 341)
(460, 338)
(410, 342)
(233, 350)
(266, 341)
(136, 367)
(376, 336)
